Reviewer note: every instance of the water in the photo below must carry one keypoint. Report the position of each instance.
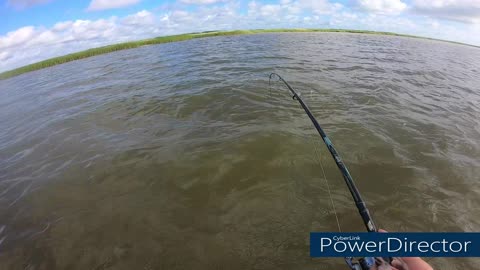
(180, 156)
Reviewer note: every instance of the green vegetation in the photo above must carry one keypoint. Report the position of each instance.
(166, 39)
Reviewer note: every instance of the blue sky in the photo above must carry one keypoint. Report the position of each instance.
(34, 30)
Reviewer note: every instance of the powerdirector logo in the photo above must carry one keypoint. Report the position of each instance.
(394, 244)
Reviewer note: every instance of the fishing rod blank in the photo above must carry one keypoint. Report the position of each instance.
(360, 204)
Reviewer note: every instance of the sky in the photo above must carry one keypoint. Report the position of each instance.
(35, 30)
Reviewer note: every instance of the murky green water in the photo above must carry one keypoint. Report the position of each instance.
(178, 156)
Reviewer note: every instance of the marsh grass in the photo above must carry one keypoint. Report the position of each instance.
(166, 39)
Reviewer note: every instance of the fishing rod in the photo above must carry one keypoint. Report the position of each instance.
(363, 263)
(361, 206)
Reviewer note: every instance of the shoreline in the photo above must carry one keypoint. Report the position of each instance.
(182, 37)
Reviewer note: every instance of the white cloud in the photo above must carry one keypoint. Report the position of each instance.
(31, 44)
(382, 6)
(141, 18)
(318, 6)
(457, 10)
(292, 8)
(264, 10)
(17, 37)
(22, 4)
(201, 2)
(109, 4)
(387, 23)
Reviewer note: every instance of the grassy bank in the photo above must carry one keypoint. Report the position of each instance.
(165, 39)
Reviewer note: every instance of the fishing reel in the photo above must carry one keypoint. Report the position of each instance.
(368, 263)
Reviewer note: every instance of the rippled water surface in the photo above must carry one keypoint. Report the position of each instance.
(180, 156)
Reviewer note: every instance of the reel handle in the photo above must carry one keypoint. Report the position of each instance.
(369, 263)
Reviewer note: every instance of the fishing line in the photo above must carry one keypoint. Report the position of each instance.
(316, 147)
